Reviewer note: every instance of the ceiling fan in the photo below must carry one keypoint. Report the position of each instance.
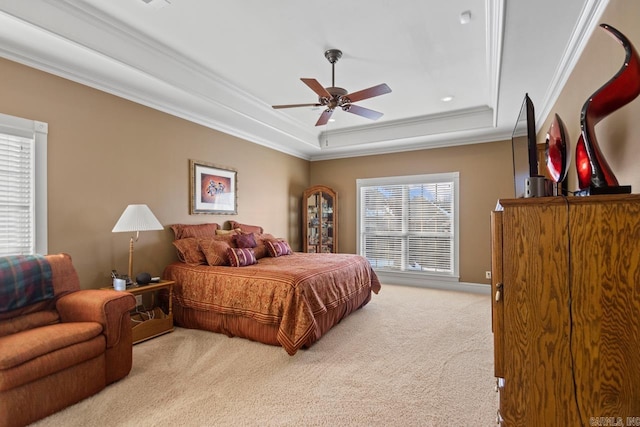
(332, 97)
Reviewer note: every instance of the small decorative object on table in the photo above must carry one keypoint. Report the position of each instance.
(556, 152)
(594, 174)
(143, 278)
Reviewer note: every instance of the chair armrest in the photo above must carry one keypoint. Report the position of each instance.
(107, 307)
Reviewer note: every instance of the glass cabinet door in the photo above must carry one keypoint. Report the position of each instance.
(326, 204)
(320, 215)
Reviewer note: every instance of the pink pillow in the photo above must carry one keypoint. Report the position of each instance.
(241, 257)
(182, 231)
(246, 228)
(260, 251)
(215, 251)
(278, 248)
(189, 251)
(221, 232)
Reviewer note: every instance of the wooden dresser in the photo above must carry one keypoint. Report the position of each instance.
(566, 310)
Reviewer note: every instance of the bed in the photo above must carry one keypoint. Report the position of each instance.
(285, 298)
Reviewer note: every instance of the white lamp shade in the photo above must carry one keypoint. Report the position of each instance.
(137, 218)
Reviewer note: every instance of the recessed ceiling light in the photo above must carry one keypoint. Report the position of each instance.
(332, 120)
(158, 4)
(446, 99)
(465, 17)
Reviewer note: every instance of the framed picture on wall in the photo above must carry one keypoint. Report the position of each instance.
(213, 189)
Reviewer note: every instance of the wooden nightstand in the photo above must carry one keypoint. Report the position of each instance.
(152, 322)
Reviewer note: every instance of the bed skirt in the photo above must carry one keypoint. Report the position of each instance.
(245, 327)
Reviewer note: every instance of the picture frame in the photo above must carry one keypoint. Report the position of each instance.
(213, 189)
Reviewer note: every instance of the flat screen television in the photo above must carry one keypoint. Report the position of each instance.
(523, 142)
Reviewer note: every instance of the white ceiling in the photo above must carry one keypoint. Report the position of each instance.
(223, 63)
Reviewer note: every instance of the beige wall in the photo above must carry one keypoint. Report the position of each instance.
(105, 152)
(485, 176)
(618, 134)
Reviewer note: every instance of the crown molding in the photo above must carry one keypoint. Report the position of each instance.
(407, 129)
(587, 22)
(154, 75)
(495, 36)
(475, 136)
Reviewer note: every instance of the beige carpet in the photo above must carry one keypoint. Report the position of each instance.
(411, 357)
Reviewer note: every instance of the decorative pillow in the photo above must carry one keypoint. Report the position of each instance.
(241, 257)
(262, 238)
(278, 248)
(245, 240)
(246, 228)
(189, 251)
(221, 232)
(261, 250)
(183, 231)
(226, 238)
(215, 251)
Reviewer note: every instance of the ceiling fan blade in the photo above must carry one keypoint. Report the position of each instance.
(361, 111)
(317, 88)
(381, 89)
(296, 105)
(324, 117)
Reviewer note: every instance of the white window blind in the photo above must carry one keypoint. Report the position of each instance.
(16, 195)
(408, 224)
(23, 186)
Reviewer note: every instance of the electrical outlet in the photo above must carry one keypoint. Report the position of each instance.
(487, 275)
(138, 300)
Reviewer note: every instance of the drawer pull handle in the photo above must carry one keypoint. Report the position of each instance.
(498, 292)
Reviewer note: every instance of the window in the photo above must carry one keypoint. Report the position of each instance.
(23, 186)
(408, 224)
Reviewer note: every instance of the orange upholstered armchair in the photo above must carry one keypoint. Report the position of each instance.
(58, 344)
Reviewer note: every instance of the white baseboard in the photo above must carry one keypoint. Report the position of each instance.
(434, 283)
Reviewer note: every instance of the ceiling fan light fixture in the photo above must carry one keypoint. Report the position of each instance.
(333, 97)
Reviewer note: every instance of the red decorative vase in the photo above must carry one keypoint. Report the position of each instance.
(592, 168)
(557, 150)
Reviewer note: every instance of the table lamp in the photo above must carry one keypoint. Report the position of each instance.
(136, 218)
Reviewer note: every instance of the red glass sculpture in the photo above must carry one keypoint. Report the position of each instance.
(593, 170)
(557, 150)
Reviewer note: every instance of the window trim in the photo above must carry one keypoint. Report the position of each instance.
(414, 278)
(38, 131)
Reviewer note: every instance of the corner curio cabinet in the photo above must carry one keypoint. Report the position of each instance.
(320, 216)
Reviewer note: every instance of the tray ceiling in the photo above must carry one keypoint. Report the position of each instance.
(223, 64)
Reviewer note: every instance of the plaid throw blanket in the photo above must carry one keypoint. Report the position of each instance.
(24, 280)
